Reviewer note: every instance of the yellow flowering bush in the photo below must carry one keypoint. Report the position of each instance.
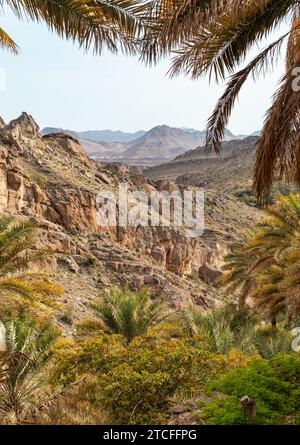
(135, 383)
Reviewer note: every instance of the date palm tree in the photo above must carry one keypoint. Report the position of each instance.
(22, 365)
(269, 341)
(129, 313)
(239, 270)
(225, 328)
(266, 265)
(91, 23)
(16, 256)
(214, 37)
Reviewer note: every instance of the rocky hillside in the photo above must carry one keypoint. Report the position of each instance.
(52, 180)
(231, 170)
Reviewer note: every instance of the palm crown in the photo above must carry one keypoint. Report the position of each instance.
(23, 374)
(91, 23)
(128, 313)
(214, 37)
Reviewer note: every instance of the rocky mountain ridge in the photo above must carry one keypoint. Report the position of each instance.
(52, 180)
(199, 168)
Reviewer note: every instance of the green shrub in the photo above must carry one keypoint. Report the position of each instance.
(66, 319)
(247, 196)
(89, 261)
(193, 276)
(40, 178)
(274, 384)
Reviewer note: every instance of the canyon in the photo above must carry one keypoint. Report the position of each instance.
(52, 180)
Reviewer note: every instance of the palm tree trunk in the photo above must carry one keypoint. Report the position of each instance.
(296, 26)
(2, 337)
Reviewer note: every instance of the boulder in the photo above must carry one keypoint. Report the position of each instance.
(208, 274)
(14, 180)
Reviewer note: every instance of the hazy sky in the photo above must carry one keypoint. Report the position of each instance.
(62, 86)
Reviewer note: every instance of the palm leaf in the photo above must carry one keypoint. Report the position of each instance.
(6, 42)
(220, 47)
(220, 117)
(91, 23)
(278, 150)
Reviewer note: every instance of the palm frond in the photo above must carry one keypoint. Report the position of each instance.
(129, 314)
(220, 47)
(23, 362)
(34, 291)
(171, 22)
(91, 23)
(6, 42)
(266, 266)
(224, 328)
(222, 112)
(278, 153)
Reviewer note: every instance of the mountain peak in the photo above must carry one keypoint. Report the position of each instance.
(159, 128)
(25, 121)
(24, 125)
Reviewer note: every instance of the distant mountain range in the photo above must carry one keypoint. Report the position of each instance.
(98, 135)
(159, 144)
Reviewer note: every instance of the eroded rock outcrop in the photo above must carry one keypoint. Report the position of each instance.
(21, 130)
(68, 143)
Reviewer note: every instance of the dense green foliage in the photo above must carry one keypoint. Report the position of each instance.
(224, 328)
(275, 385)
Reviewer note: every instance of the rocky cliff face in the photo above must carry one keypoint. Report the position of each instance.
(52, 180)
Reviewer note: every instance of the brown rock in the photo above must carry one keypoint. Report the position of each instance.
(208, 274)
(3, 153)
(39, 195)
(159, 254)
(103, 178)
(138, 282)
(2, 123)
(14, 181)
(22, 129)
